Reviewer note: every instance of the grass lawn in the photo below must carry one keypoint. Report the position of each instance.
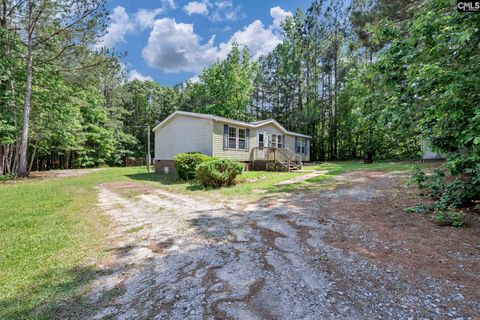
(51, 230)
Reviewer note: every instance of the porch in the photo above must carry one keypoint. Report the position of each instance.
(274, 159)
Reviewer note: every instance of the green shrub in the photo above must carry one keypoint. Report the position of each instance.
(419, 178)
(186, 164)
(450, 218)
(456, 194)
(436, 183)
(419, 208)
(218, 173)
(6, 177)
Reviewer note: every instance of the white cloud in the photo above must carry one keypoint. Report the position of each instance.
(195, 7)
(146, 18)
(259, 40)
(224, 10)
(135, 75)
(120, 25)
(175, 47)
(194, 79)
(168, 4)
(279, 15)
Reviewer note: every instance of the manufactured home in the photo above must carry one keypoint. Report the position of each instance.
(261, 145)
(427, 153)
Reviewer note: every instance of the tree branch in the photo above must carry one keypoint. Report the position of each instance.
(59, 31)
(59, 54)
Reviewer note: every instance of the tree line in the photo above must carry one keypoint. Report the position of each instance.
(372, 76)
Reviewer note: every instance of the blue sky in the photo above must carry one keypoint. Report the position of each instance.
(170, 41)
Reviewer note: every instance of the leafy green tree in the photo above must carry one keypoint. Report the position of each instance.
(50, 29)
(227, 86)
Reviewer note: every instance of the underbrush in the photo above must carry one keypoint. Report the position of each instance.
(449, 194)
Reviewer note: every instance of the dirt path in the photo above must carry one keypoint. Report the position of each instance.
(316, 255)
(62, 173)
(302, 178)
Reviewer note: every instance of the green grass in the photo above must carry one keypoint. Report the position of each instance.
(265, 180)
(51, 229)
(336, 168)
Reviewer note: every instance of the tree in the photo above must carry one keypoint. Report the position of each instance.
(49, 30)
(227, 86)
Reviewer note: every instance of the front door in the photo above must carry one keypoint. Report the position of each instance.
(261, 140)
(262, 143)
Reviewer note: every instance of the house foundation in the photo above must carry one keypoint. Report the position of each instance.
(164, 166)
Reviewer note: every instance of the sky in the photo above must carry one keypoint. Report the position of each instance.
(170, 41)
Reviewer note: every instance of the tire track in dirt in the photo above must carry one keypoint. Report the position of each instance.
(189, 258)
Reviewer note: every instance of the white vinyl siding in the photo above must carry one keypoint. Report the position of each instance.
(290, 144)
(287, 140)
(183, 134)
(232, 153)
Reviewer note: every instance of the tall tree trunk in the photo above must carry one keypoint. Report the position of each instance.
(33, 158)
(22, 167)
(8, 159)
(3, 19)
(2, 160)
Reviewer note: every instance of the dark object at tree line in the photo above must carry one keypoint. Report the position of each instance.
(367, 157)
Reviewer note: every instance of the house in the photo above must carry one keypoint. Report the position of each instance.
(263, 144)
(427, 153)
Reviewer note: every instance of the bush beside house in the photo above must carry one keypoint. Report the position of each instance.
(218, 173)
(186, 164)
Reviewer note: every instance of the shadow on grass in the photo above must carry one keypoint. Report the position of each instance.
(64, 300)
(324, 181)
(171, 180)
(153, 177)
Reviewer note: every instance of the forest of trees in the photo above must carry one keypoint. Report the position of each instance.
(377, 76)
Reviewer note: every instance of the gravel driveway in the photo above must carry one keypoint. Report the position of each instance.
(308, 255)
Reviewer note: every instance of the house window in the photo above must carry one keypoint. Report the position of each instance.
(232, 138)
(241, 139)
(260, 140)
(280, 142)
(274, 140)
(300, 145)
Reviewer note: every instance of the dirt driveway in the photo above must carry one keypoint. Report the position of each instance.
(348, 253)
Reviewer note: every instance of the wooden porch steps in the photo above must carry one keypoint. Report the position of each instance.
(275, 159)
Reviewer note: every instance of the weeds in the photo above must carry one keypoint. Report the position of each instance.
(450, 218)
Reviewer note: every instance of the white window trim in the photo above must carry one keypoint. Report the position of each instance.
(272, 143)
(237, 139)
(244, 138)
(300, 144)
(230, 138)
(258, 139)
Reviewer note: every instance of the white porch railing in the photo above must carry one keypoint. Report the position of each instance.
(283, 156)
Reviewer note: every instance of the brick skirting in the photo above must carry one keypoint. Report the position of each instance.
(164, 166)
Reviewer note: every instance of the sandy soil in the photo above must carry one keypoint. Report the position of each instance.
(302, 178)
(348, 253)
(61, 173)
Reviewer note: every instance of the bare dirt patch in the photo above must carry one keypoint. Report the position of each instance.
(348, 253)
(382, 231)
(61, 173)
(310, 175)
